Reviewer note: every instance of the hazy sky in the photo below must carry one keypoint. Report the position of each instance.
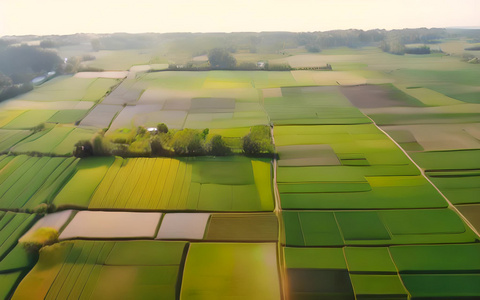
(18, 17)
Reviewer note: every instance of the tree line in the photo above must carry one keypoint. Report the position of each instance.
(162, 142)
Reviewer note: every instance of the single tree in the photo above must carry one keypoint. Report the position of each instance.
(221, 59)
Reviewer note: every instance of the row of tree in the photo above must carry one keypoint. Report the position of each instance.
(169, 143)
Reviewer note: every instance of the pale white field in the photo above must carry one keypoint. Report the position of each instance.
(111, 225)
(111, 74)
(186, 226)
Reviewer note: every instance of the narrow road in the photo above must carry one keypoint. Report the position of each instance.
(450, 205)
(278, 213)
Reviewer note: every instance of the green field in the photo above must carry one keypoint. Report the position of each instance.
(105, 270)
(322, 228)
(15, 261)
(212, 270)
(204, 184)
(26, 182)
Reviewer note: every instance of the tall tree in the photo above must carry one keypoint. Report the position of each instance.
(221, 59)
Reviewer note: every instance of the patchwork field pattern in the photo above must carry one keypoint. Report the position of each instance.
(342, 212)
(443, 140)
(345, 188)
(347, 167)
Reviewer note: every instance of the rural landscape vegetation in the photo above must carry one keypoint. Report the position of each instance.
(341, 164)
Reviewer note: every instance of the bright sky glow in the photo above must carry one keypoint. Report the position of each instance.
(43, 17)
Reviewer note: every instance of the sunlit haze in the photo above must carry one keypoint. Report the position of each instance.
(20, 17)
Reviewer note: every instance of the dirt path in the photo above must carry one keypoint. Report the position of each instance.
(278, 213)
(450, 205)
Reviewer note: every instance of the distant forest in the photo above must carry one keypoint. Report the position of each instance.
(21, 62)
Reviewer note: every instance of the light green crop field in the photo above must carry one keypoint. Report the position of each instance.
(45, 143)
(119, 60)
(212, 270)
(68, 116)
(207, 184)
(9, 138)
(58, 141)
(30, 119)
(8, 115)
(68, 88)
(79, 189)
(14, 259)
(26, 182)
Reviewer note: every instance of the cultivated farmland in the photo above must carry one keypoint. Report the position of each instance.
(351, 173)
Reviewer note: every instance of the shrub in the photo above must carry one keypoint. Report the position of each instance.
(162, 128)
(44, 208)
(277, 67)
(83, 148)
(38, 128)
(205, 133)
(41, 237)
(418, 50)
(312, 48)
